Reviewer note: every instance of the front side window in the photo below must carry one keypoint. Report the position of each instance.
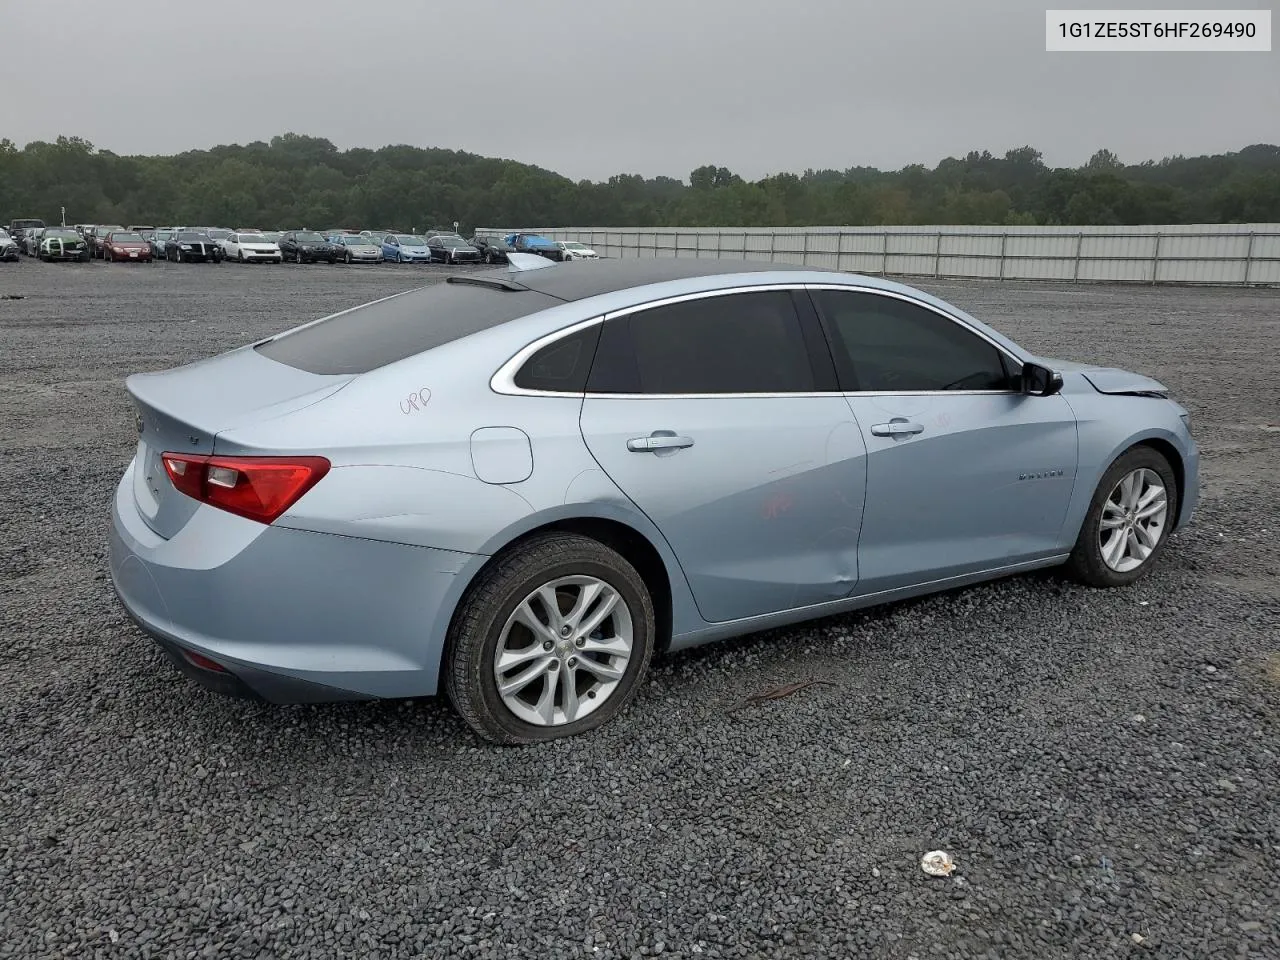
(892, 346)
(730, 343)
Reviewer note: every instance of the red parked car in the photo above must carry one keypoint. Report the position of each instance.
(126, 245)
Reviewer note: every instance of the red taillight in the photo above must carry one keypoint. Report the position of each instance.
(203, 662)
(258, 488)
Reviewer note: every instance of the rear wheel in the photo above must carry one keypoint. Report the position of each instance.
(1129, 520)
(551, 641)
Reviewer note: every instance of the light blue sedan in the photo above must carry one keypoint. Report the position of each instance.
(405, 248)
(518, 486)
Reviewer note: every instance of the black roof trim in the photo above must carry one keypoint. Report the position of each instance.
(578, 280)
(498, 283)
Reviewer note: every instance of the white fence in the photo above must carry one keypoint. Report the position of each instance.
(1221, 254)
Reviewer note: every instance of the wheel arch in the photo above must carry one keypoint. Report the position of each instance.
(1163, 444)
(1176, 463)
(661, 575)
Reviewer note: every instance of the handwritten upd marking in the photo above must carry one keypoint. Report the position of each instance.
(415, 401)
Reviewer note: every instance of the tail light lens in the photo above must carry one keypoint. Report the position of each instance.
(257, 488)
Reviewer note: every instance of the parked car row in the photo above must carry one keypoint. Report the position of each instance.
(113, 243)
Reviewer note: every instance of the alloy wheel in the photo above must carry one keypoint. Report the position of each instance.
(1133, 520)
(563, 651)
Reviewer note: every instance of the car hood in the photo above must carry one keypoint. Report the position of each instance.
(1107, 379)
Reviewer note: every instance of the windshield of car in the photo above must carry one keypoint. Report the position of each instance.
(271, 237)
(163, 234)
(219, 234)
(61, 234)
(126, 238)
(189, 236)
(356, 241)
(103, 231)
(575, 246)
(412, 241)
(253, 238)
(309, 237)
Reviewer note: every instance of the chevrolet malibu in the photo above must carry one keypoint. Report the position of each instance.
(517, 486)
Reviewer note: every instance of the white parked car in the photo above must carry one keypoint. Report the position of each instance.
(577, 251)
(251, 248)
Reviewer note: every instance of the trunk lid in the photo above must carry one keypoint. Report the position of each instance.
(184, 409)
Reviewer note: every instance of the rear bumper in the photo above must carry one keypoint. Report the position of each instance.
(291, 616)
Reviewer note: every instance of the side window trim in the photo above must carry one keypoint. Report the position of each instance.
(503, 381)
(1006, 358)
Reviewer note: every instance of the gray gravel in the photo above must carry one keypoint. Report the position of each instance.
(1102, 765)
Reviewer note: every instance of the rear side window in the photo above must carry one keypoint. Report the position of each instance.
(732, 343)
(377, 334)
(561, 366)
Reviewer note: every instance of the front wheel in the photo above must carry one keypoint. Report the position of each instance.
(1129, 520)
(552, 641)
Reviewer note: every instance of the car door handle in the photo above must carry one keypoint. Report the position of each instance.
(896, 428)
(658, 442)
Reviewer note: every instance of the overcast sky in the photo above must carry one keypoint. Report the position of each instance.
(597, 87)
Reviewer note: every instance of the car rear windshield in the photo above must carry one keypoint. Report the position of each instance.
(380, 333)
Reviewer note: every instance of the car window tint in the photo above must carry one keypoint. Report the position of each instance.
(381, 333)
(886, 344)
(563, 365)
(732, 343)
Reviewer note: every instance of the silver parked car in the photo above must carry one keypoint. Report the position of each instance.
(357, 248)
(519, 485)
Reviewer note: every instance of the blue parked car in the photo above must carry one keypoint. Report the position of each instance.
(405, 248)
(519, 486)
(534, 243)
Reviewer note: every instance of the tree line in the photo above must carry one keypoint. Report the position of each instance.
(298, 180)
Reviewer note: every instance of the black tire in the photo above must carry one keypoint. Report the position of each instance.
(1086, 563)
(178, 256)
(347, 258)
(297, 258)
(477, 626)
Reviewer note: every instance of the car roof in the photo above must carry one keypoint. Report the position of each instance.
(578, 281)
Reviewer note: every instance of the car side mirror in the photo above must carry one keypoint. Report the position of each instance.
(1039, 381)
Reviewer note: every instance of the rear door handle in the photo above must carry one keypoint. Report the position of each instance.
(896, 428)
(658, 441)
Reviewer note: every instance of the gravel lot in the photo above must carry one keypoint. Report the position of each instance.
(1103, 766)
